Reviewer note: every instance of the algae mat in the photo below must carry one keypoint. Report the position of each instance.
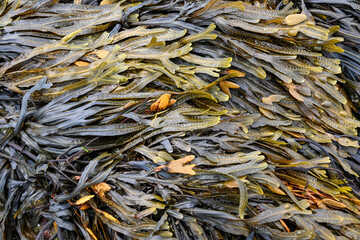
(179, 119)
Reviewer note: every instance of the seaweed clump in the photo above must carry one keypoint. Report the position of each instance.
(178, 120)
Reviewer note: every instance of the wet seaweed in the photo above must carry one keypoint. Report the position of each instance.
(170, 119)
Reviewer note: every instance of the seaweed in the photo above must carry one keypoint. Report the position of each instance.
(170, 119)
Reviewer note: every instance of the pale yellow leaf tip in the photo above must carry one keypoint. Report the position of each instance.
(84, 199)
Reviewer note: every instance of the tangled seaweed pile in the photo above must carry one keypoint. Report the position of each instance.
(179, 119)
